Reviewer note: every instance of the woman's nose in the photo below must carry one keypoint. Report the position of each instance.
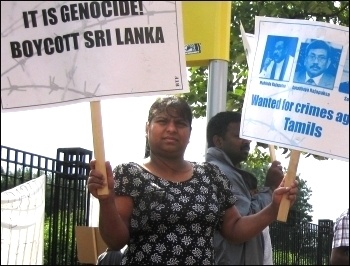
(171, 126)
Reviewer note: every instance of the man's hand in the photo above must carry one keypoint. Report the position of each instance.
(274, 175)
(267, 62)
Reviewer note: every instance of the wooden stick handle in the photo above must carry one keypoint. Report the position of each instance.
(97, 134)
(289, 179)
(94, 243)
(272, 153)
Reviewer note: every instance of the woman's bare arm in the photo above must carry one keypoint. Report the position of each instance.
(115, 211)
(239, 229)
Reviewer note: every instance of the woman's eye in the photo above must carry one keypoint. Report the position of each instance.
(182, 123)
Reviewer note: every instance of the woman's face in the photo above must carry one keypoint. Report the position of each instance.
(168, 134)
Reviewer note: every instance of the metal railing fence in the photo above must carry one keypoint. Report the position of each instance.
(66, 199)
(67, 205)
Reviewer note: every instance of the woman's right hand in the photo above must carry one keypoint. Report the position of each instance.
(114, 219)
(97, 182)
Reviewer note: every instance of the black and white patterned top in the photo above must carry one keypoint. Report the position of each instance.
(173, 222)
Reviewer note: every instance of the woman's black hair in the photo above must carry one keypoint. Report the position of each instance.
(169, 104)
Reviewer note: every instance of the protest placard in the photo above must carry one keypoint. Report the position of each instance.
(55, 53)
(282, 105)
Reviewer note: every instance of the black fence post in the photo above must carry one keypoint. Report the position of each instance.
(324, 241)
(70, 203)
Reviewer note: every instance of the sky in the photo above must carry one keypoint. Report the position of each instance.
(43, 131)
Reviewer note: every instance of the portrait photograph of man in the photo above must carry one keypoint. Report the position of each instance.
(317, 64)
(278, 57)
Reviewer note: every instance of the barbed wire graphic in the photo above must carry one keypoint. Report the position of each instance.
(51, 87)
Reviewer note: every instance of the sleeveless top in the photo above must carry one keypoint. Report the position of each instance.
(173, 222)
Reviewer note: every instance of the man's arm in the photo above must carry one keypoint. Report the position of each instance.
(340, 256)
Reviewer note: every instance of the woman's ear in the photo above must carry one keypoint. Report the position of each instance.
(146, 128)
(147, 148)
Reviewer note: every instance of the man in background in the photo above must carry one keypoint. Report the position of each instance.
(340, 245)
(316, 64)
(278, 64)
(227, 150)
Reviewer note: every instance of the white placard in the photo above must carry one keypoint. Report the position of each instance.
(249, 44)
(282, 108)
(59, 52)
(22, 223)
